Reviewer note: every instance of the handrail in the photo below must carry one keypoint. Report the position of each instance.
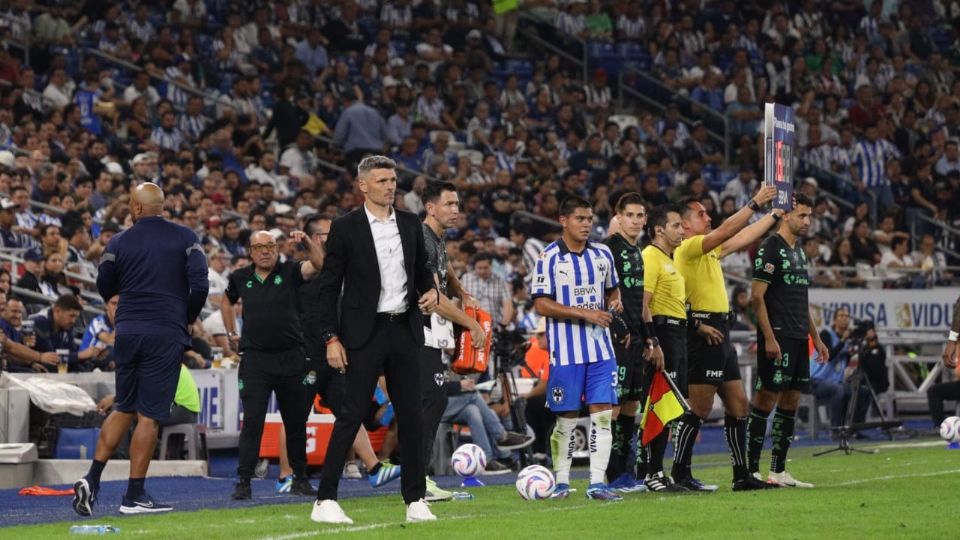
(186, 88)
(944, 226)
(523, 214)
(582, 63)
(400, 167)
(660, 107)
(38, 204)
(717, 116)
(816, 170)
(552, 48)
(33, 295)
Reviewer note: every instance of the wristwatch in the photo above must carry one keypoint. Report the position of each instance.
(753, 205)
(653, 343)
(329, 336)
(232, 334)
(776, 217)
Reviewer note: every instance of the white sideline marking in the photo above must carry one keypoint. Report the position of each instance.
(373, 526)
(893, 477)
(925, 444)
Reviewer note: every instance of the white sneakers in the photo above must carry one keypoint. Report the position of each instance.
(419, 511)
(328, 511)
(787, 480)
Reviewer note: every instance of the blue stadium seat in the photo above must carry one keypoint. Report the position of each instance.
(597, 49)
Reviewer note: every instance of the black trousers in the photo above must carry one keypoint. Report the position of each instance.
(393, 351)
(541, 420)
(434, 398)
(936, 395)
(283, 374)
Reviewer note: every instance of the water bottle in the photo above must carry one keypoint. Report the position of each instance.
(94, 529)
(462, 495)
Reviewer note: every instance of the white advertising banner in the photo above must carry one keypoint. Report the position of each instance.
(889, 309)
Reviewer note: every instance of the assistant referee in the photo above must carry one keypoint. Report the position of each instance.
(663, 311)
(272, 352)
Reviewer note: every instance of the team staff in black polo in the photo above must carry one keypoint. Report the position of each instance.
(376, 256)
(272, 353)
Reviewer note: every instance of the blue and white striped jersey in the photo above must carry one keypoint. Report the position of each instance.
(576, 280)
(870, 159)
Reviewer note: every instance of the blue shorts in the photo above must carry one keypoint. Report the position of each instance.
(148, 369)
(594, 383)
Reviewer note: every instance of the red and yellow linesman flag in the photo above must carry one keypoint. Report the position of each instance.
(664, 403)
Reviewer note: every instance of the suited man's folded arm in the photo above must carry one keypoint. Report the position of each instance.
(330, 280)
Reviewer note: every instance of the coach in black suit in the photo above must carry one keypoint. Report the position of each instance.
(377, 256)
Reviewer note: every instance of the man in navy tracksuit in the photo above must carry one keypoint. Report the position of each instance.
(160, 272)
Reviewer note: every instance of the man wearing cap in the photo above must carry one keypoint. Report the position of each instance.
(10, 238)
(597, 92)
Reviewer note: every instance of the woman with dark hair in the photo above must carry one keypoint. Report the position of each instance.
(52, 282)
(863, 247)
(843, 256)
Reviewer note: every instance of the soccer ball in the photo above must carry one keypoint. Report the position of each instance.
(468, 460)
(535, 482)
(950, 429)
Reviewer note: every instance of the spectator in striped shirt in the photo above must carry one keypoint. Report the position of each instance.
(398, 17)
(140, 27)
(870, 159)
(180, 71)
(630, 25)
(573, 21)
(430, 109)
(490, 291)
(167, 136)
(192, 122)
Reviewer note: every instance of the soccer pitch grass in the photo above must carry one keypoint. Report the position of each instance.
(904, 491)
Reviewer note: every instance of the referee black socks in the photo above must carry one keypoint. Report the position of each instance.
(757, 430)
(94, 474)
(687, 428)
(735, 431)
(782, 433)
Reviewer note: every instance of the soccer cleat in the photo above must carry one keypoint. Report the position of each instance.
(419, 511)
(787, 480)
(83, 497)
(283, 485)
(562, 491)
(514, 441)
(435, 493)
(387, 473)
(692, 484)
(626, 483)
(144, 504)
(661, 483)
(242, 491)
(302, 487)
(602, 492)
(351, 471)
(495, 468)
(751, 483)
(328, 511)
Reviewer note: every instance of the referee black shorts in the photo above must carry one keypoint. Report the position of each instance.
(630, 364)
(672, 334)
(711, 364)
(791, 372)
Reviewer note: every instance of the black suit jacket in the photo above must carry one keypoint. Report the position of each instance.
(351, 266)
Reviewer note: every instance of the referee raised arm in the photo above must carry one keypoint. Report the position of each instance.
(159, 271)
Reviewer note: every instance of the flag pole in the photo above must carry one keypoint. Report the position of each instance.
(673, 387)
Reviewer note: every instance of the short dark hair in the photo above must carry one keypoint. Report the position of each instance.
(482, 256)
(370, 163)
(310, 225)
(897, 240)
(658, 218)
(801, 199)
(434, 189)
(571, 203)
(68, 302)
(631, 197)
(684, 206)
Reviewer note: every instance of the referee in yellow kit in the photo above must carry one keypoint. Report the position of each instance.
(712, 367)
(666, 318)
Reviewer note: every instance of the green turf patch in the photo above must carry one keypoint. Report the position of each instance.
(901, 492)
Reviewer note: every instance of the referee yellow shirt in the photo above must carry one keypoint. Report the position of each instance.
(706, 289)
(664, 282)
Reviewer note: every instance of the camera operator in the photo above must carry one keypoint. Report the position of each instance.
(873, 361)
(827, 379)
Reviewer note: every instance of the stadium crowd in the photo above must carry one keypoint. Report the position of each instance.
(253, 117)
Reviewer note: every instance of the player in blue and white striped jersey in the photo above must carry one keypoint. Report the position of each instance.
(574, 284)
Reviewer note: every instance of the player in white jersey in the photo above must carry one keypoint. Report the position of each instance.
(574, 284)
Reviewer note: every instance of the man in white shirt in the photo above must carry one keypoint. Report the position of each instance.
(897, 257)
(264, 173)
(59, 91)
(218, 263)
(298, 161)
(141, 87)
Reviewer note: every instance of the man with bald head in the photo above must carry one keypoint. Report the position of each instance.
(272, 349)
(160, 272)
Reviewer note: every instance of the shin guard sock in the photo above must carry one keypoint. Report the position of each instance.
(735, 431)
(620, 448)
(687, 428)
(756, 433)
(601, 438)
(781, 435)
(93, 475)
(561, 447)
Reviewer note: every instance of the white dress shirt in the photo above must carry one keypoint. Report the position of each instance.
(393, 277)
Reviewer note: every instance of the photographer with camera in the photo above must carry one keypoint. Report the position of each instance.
(939, 393)
(827, 380)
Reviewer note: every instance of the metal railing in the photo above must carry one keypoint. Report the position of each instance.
(581, 63)
(948, 230)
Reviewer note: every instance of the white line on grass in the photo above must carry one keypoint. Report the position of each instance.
(924, 444)
(373, 526)
(893, 477)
